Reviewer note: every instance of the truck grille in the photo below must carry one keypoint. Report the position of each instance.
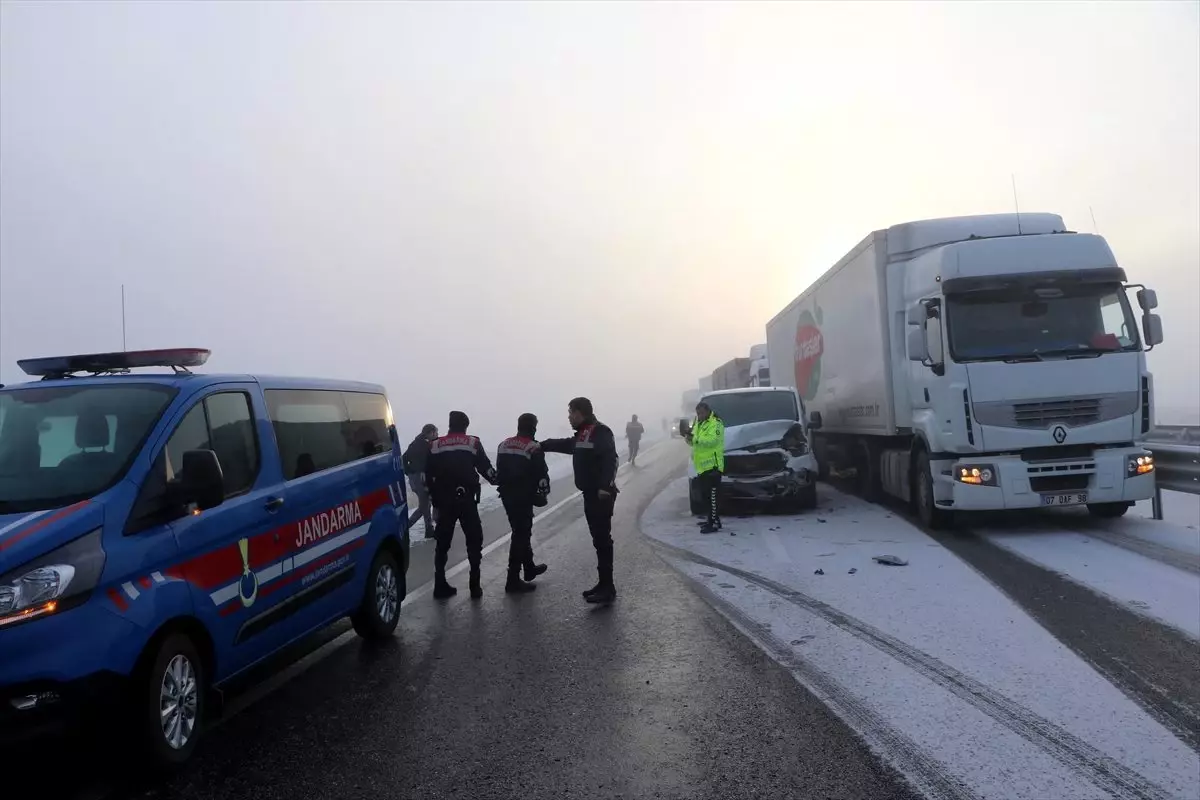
(1057, 412)
(755, 464)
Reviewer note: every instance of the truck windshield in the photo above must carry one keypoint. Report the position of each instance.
(742, 408)
(62, 444)
(1032, 322)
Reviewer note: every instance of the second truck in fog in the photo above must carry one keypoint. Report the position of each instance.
(974, 363)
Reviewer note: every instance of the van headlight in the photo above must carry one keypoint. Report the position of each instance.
(60, 579)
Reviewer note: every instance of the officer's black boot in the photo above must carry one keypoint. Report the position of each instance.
(441, 589)
(605, 591)
(515, 585)
(476, 589)
(532, 570)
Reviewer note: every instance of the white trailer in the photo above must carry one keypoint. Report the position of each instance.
(976, 363)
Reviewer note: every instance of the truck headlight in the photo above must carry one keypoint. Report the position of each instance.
(57, 580)
(976, 474)
(1140, 465)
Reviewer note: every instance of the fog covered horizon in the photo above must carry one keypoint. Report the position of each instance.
(497, 207)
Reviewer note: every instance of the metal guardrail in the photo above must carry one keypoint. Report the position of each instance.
(1176, 467)
(1175, 434)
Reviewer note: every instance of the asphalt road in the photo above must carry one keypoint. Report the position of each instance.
(657, 696)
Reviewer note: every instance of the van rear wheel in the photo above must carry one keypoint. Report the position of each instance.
(379, 613)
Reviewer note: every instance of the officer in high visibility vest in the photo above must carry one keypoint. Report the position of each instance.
(708, 454)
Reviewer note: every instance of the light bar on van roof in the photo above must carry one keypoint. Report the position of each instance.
(179, 358)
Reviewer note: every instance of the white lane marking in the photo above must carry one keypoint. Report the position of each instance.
(130, 590)
(29, 518)
(294, 670)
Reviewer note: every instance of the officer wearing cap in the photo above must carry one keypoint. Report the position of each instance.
(456, 462)
(524, 483)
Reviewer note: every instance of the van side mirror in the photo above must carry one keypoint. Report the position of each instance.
(814, 420)
(1147, 299)
(202, 479)
(917, 350)
(1152, 329)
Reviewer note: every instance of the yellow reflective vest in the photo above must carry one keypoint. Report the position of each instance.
(708, 445)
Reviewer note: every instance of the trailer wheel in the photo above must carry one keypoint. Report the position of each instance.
(866, 464)
(930, 515)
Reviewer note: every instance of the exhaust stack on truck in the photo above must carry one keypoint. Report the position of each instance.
(977, 363)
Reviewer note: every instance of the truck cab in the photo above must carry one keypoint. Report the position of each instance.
(768, 460)
(1026, 372)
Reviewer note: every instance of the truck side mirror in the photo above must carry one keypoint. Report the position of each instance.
(202, 479)
(1152, 329)
(814, 420)
(1147, 299)
(933, 341)
(917, 350)
(916, 313)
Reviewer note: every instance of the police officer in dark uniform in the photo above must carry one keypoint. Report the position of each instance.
(524, 483)
(452, 472)
(594, 458)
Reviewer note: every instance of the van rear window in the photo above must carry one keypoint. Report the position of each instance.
(320, 429)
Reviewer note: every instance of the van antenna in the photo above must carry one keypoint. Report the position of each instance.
(124, 348)
(1016, 204)
(1094, 225)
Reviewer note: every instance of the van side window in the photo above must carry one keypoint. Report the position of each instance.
(322, 429)
(222, 423)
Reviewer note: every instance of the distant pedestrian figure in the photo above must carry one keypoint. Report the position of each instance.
(633, 434)
(708, 454)
(456, 461)
(594, 459)
(415, 459)
(524, 483)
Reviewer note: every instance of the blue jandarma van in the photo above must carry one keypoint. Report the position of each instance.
(161, 533)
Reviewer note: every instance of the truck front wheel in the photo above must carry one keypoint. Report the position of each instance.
(1108, 510)
(927, 510)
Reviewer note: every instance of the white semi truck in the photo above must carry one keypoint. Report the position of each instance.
(760, 371)
(977, 363)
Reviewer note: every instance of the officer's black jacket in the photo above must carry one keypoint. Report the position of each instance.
(455, 462)
(521, 468)
(594, 456)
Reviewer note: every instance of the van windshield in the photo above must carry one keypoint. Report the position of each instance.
(62, 444)
(742, 408)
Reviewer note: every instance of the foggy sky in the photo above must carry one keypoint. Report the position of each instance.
(496, 207)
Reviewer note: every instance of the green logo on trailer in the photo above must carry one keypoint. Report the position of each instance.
(810, 344)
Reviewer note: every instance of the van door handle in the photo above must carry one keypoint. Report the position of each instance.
(274, 504)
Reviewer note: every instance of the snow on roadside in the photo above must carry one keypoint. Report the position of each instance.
(878, 646)
(1151, 567)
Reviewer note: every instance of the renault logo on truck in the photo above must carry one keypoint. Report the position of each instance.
(810, 344)
(1059, 434)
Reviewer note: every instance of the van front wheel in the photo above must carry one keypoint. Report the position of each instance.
(172, 712)
(379, 613)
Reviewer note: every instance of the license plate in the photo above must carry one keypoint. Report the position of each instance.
(1072, 499)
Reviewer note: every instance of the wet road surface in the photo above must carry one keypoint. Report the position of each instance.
(541, 696)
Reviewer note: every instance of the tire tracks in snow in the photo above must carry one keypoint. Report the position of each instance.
(1060, 744)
